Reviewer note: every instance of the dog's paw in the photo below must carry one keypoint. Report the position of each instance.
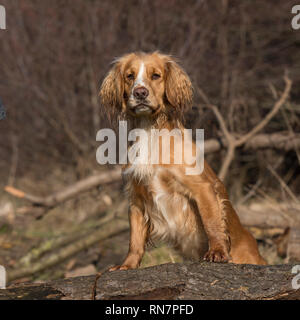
(216, 255)
(122, 267)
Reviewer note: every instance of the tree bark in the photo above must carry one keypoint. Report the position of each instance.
(195, 281)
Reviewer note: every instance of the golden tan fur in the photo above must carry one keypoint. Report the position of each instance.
(193, 213)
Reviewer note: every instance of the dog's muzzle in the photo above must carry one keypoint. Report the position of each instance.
(142, 110)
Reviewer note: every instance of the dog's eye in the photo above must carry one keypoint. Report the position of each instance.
(155, 76)
(130, 76)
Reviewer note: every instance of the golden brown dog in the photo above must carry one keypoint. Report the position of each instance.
(191, 212)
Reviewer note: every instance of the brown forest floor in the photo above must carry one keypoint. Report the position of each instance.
(21, 233)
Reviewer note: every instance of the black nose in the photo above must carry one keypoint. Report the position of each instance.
(140, 93)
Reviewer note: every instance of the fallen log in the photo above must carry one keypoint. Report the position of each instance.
(266, 217)
(279, 141)
(284, 219)
(197, 281)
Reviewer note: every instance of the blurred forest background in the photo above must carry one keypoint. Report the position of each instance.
(53, 57)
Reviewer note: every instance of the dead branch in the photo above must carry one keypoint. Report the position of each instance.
(232, 141)
(279, 141)
(283, 184)
(70, 191)
(269, 217)
(288, 86)
(195, 281)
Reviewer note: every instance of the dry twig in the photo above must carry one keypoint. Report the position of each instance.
(70, 191)
(232, 141)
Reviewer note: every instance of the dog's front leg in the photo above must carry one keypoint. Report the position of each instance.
(214, 221)
(138, 237)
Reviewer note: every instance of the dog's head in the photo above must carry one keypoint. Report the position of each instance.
(143, 85)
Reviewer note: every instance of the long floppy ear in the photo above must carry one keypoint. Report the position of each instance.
(179, 89)
(112, 91)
